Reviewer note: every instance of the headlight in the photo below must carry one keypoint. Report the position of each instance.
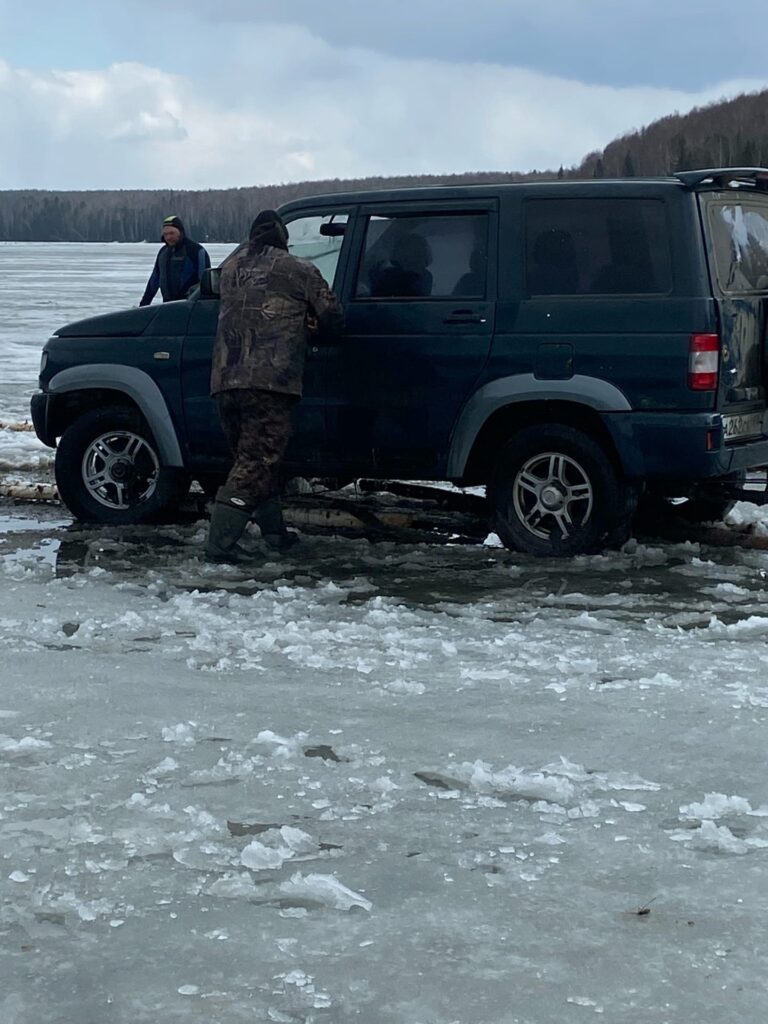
(43, 361)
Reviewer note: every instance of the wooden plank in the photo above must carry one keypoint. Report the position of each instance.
(473, 504)
(29, 492)
(369, 518)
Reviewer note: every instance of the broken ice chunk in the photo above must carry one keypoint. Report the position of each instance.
(326, 889)
(259, 857)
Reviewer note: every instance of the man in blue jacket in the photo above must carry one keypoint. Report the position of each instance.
(179, 264)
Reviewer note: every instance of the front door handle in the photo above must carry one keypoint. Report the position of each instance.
(464, 316)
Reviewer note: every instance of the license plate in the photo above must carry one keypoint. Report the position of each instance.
(742, 426)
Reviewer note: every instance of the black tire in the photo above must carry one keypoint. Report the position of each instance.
(554, 492)
(108, 470)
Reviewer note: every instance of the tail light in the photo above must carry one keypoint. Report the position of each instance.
(703, 362)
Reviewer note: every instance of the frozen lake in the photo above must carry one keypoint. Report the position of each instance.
(44, 286)
(372, 783)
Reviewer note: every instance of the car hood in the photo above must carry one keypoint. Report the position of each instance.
(125, 323)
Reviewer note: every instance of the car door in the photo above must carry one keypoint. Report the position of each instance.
(419, 299)
(314, 235)
(205, 437)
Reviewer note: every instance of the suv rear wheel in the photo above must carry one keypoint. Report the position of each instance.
(108, 470)
(554, 491)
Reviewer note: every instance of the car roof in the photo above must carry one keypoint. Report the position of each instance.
(746, 179)
(483, 191)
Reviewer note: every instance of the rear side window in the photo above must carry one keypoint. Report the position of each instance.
(597, 247)
(739, 236)
(424, 255)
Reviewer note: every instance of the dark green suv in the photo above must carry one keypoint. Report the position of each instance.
(572, 345)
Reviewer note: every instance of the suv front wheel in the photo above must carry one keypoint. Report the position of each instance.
(554, 491)
(108, 470)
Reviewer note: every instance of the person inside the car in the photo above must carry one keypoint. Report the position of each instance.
(405, 274)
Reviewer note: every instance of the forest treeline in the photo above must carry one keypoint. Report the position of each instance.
(732, 133)
(214, 215)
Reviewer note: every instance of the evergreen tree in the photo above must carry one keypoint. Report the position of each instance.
(628, 167)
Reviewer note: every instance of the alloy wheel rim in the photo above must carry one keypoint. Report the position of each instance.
(120, 470)
(552, 494)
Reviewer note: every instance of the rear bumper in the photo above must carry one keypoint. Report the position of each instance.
(680, 446)
(39, 406)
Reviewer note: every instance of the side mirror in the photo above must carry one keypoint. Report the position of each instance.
(209, 283)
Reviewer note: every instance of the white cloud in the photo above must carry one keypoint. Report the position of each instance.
(288, 106)
(601, 41)
(147, 125)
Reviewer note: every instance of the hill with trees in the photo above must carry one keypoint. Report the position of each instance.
(732, 133)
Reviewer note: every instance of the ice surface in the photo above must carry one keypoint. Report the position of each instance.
(45, 286)
(214, 780)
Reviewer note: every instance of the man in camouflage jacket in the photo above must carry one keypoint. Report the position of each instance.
(267, 299)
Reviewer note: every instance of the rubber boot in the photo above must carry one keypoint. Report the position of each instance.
(228, 523)
(269, 518)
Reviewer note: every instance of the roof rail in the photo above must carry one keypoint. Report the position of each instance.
(726, 177)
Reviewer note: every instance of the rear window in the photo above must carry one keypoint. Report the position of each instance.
(597, 247)
(739, 237)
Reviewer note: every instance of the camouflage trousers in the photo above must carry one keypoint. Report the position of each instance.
(257, 425)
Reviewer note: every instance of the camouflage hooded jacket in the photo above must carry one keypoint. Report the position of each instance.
(261, 337)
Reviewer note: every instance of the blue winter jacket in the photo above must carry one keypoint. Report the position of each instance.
(196, 259)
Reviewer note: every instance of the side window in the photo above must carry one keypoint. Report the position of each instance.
(424, 255)
(318, 239)
(597, 247)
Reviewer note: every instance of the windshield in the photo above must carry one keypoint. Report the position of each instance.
(739, 238)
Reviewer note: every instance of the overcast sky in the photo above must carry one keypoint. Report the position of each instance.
(220, 93)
